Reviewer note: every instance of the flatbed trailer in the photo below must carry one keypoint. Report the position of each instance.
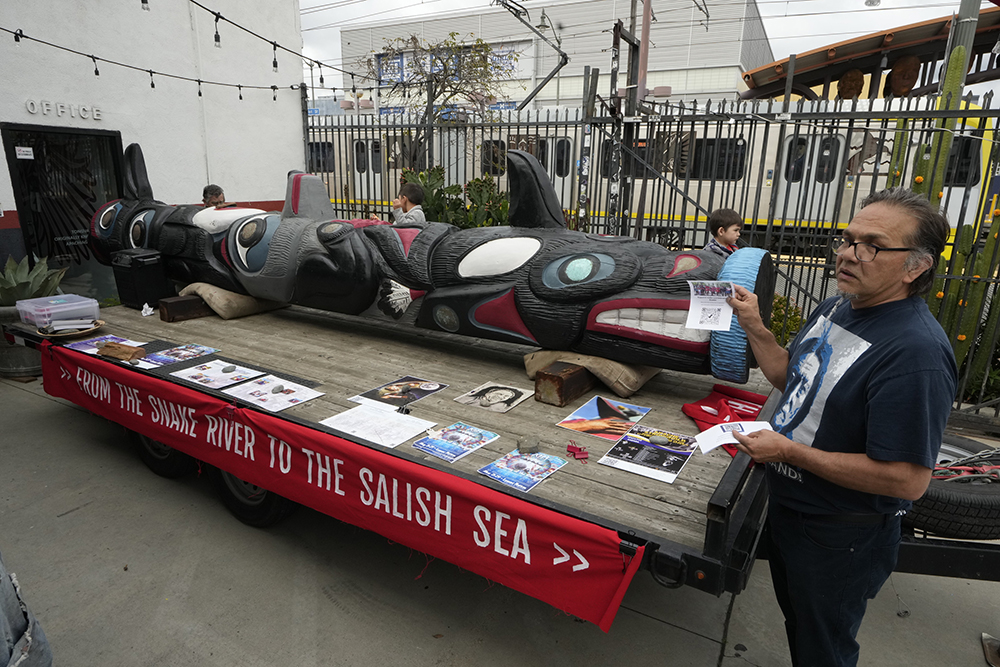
(575, 540)
(701, 531)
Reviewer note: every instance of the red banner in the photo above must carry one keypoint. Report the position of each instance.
(569, 563)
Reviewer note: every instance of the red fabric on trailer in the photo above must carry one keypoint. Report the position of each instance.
(569, 563)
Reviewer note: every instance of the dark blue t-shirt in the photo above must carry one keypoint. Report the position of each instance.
(877, 380)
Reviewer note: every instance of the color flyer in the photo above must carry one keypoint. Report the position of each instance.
(453, 442)
(635, 453)
(605, 419)
(522, 471)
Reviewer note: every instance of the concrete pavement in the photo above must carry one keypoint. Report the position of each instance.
(125, 568)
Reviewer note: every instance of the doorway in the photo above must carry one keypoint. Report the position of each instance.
(61, 176)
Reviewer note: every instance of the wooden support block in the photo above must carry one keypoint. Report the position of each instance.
(180, 308)
(120, 351)
(560, 383)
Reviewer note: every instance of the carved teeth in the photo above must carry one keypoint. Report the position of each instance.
(655, 321)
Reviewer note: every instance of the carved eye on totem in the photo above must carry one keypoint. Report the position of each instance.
(104, 220)
(248, 235)
(594, 270)
(138, 229)
(578, 270)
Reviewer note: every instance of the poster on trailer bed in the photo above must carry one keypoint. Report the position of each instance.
(572, 564)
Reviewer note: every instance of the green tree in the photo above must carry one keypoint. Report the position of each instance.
(438, 83)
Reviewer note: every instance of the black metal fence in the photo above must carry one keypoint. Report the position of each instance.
(796, 173)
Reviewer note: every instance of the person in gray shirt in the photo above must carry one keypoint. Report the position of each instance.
(406, 208)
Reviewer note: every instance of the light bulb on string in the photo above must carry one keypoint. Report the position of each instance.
(145, 5)
(334, 94)
(199, 87)
(274, 93)
(321, 75)
(152, 84)
(97, 72)
(18, 34)
(218, 39)
(240, 86)
(274, 63)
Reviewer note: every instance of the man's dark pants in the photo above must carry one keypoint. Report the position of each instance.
(824, 572)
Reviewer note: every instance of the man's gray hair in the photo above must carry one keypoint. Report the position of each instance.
(929, 239)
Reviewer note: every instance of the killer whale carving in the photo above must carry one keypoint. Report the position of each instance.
(531, 282)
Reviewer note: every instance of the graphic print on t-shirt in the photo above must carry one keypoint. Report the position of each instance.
(821, 359)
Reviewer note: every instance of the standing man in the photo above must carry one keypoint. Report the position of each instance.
(867, 385)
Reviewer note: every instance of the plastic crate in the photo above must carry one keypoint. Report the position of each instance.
(141, 277)
(41, 311)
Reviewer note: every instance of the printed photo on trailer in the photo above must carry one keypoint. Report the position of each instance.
(603, 418)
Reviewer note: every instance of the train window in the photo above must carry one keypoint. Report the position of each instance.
(494, 154)
(360, 157)
(563, 157)
(963, 163)
(320, 157)
(826, 160)
(542, 153)
(718, 159)
(376, 157)
(795, 159)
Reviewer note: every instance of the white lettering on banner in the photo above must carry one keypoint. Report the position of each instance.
(177, 417)
(423, 515)
(519, 545)
(284, 455)
(323, 470)
(582, 565)
(230, 435)
(130, 400)
(379, 498)
(93, 385)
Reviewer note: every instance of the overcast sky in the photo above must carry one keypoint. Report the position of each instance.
(793, 26)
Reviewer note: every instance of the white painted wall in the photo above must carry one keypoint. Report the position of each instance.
(246, 146)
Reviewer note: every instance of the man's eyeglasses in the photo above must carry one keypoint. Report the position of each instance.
(864, 252)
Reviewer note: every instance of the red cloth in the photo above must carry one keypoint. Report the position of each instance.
(572, 564)
(725, 404)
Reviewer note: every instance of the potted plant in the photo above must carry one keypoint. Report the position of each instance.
(17, 282)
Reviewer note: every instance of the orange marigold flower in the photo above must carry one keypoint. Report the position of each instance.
(961, 303)
(996, 212)
(940, 295)
(961, 336)
(897, 172)
(919, 179)
(940, 194)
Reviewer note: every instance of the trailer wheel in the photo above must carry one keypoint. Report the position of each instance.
(731, 355)
(162, 459)
(251, 504)
(962, 509)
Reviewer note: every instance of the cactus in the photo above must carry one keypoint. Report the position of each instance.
(985, 267)
(897, 165)
(925, 182)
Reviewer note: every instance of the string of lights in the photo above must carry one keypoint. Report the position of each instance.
(274, 45)
(19, 36)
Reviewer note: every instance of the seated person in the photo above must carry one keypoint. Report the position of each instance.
(406, 208)
(725, 224)
(213, 195)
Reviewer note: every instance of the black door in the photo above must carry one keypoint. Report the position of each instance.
(61, 176)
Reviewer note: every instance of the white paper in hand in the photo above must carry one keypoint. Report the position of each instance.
(722, 434)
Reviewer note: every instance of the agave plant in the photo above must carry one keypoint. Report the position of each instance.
(18, 282)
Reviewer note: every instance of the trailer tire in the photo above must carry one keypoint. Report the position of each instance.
(162, 459)
(960, 510)
(251, 504)
(731, 355)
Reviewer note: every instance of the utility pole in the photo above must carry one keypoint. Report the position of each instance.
(963, 33)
